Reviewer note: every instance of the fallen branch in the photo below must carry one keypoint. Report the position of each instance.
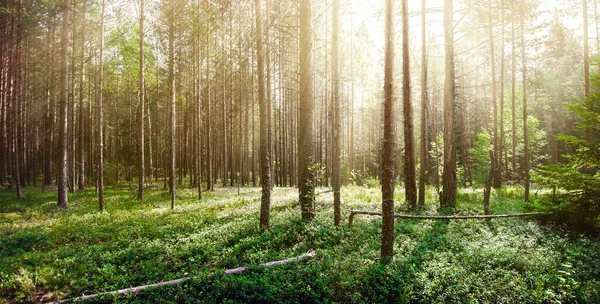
(441, 217)
(311, 253)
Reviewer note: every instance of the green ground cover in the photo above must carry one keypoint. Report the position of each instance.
(66, 253)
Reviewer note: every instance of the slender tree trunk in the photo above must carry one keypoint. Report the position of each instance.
(199, 114)
(513, 95)
(424, 128)
(305, 124)
(209, 164)
(49, 119)
(499, 161)
(524, 75)
(586, 63)
(62, 149)
(265, 159)
(80, 141)
(449, 173)
(409, 138)
(172, 99)
(100, 173)
(337, 123)
(494, 165)
(388, 156)
(141, 169)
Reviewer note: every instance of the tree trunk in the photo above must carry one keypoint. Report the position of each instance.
(337, 124)
(499, 161)
(513, 95)
(409, 139)
(265, 159)
(449, 173)
(424, 128)
(173, 147)
(62, 147)
(388, 156)
(586, 63)
(80, 141)
(305, 123)
(494, 164)
(524, 75)
(209, 165)
(142, 109)
(100, 173)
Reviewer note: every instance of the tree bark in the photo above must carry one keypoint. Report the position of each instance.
(586, 63)
(209, 165)
(388, 156)
(449, 174)
(424, 127)
(173, 147)
(62, 147)
(513, 94)
(80, 141)
(305, 123)
(100, 173)
(337, 124)
(265, 151)
(142, 109)
(409, 139)
(524, 75)
(494, 164)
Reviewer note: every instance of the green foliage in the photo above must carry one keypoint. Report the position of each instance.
(480, 158)
(576, 184)
(79, 251)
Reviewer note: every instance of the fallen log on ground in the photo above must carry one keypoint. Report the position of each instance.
(441, 217)
(311, 253)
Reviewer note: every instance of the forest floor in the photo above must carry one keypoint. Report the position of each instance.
(47, 253)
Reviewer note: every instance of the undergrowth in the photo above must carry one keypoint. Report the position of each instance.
(47, 253)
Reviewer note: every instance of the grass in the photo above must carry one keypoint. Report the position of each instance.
(66, 253)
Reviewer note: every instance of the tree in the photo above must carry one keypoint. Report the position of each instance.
(409, 146)
(576, 183)
(449, 174)
(81, 132)
(265, 152)
(424, 128)
(388, 157)
(62, 148)
(100, 172)
(172, 183)
(337, 124)
(142, 109)
(524, 75)
(305, 124)
(495, 168)
(586, 65)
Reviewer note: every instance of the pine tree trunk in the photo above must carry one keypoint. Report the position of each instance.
(142, 109)
(513, 95)
(337, 124)
(494, 164)
(62, 147)
(80, 141)
(586, 63)
(409, 138)
(501, 149)
(424, 127)
(171, 80)
(388, 156)
(209, 165)
(265, 159)
(100, 172)
(305, 123)
(524, 75)
(449, 174)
